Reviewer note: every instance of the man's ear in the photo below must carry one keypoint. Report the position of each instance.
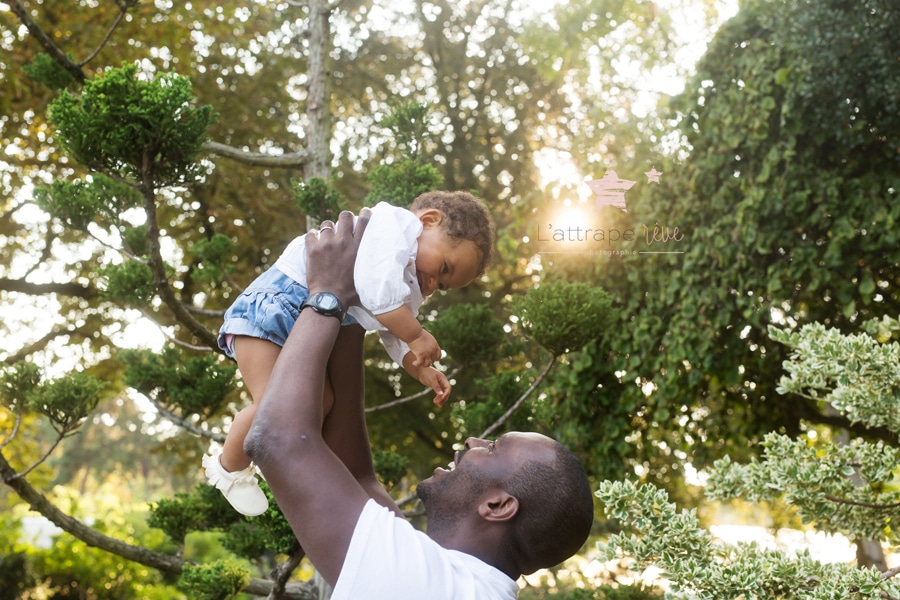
(498, 507)
(430, 217)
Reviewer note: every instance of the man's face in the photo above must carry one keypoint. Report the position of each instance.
(480, 466)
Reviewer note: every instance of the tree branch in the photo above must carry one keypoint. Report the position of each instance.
(156, 560)
(890, 572)
(157, 266)
(44, 40)
(181, 344)
(204, 312)
(37, 345)
(283, 572)
(803, 410)
(91, 537)
(14, 432)
(39, 289)
(8, 215)
(258, 159)
(216, 437)
(838, 500)
(37, 463)
(521, 399)
(123, 9)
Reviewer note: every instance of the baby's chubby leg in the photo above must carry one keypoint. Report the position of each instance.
(256, 359)
(230, 470)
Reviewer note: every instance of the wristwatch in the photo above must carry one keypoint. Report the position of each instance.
(325, 303)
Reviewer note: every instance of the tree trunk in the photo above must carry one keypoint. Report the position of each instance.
(318, 98)
(869, 553)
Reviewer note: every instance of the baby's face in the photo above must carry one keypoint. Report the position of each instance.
(443, 263)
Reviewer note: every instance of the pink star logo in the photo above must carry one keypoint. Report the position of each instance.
(652, 175)
(610, 190)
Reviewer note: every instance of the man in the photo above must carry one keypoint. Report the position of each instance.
(508, 507)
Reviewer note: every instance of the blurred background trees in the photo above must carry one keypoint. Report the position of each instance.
(779, 165)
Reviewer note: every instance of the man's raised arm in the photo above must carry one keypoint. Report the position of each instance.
(317, 494)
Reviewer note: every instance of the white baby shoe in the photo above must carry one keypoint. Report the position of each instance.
(240, 488)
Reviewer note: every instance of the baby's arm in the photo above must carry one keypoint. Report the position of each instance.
(431, 377)
(422, 345)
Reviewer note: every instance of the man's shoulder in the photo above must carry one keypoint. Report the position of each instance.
(388, 551)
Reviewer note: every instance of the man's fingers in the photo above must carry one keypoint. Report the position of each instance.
(361, 223)
(326, 225)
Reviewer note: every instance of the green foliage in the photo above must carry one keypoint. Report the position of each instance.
(246, 540)
(496, 394)
(390, 466)
(851, 488)
(219, 580)
(202, 509)
(700, 568)
(196, 384)
(409, 124)
(601, 592)
(317, 198)
(864, 45)
(205, 509)
(124, 125)
(78, 203)
(785, 219)
(274, 527)
(638, 591)
(469, 333)
(69, 568)
(136, 239)
(882, 329)
(584, 409)
(855, 373)
(15, 575)
(848, 489)
(401, 182)
(563, 316)
(67, 401)
(215, 258)
(48, 72)
(18, 382)
(130, 283)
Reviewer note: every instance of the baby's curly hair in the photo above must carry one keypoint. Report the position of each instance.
(464, 218)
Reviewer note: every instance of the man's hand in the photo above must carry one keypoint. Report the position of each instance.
(331, 256)
(425, 350)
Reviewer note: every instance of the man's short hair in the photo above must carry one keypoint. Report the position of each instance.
(556, 511)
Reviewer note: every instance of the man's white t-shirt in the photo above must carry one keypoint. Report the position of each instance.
(388, 559)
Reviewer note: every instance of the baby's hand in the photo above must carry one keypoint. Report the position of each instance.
(425, 350)
(436, 381)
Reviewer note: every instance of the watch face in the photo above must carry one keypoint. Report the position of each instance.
(327, 301)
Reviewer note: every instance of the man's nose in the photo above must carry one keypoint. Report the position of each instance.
(474, 442)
